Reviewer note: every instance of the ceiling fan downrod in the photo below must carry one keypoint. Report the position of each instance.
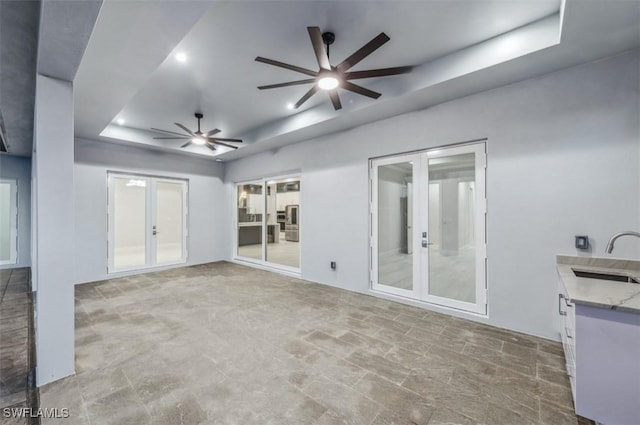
(328, 38)
(199, 116)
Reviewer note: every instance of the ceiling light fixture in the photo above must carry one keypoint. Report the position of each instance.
(120, 121)
(328, 83)
(218, 160)
(181, 57)
(289, 105)
(138, 183)
(198, 140)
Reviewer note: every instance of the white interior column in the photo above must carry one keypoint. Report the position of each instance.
(54, 226)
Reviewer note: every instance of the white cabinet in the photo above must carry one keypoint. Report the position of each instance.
(602, 351)
(567, 310)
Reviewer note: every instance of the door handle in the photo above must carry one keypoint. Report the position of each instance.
(560, 312)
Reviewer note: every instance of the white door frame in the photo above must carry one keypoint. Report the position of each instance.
(420, 291)
(150, 217)
(13, 221)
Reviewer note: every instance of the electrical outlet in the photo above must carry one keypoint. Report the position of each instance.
(582, 242)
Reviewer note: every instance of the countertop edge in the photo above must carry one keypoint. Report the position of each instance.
(617, 295)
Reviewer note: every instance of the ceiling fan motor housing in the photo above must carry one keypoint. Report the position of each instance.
(328, 38)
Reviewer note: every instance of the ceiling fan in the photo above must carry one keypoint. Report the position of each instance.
(198, 137)
(330, 77)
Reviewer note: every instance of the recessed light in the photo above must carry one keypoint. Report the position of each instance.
(181, 57)
(290, 105)
(120, 121)
(328, 83)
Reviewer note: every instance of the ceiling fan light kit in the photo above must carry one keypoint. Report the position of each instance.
(329, 78)
(328, 82)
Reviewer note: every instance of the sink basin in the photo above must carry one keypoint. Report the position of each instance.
(605, 276)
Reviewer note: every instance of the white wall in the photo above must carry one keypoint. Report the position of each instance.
(209, 203)
(563, 153)
(19, 168)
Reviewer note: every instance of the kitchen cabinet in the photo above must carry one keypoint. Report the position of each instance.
(250, 233)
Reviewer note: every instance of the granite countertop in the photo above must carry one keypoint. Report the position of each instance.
(601, 293)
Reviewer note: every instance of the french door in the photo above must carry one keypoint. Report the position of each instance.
(428, 226)
(147, 222)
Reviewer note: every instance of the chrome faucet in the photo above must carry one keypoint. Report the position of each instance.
(613, 239)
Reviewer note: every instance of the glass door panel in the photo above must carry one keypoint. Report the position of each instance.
(129, 222)
(393, 250)
(169, 223)
(8, 222)
(283, 222)
(454, 268)
(251, 205)
(452, 254)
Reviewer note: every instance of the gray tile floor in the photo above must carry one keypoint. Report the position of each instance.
(14, 341)
(226, 344)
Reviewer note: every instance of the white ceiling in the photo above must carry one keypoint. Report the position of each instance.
(129, 70)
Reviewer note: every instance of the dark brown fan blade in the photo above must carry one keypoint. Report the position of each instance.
(287, 66)
(211, 132)
(306, 96)
(382, 72)
(173, 138)
(210, 146)
(215, 139)
(318, 47)
(363, 52)
(359, 89)
(224, 144)
(168, 132)
(290, 83)
(186, 144)
(335, 99)
(185, 129)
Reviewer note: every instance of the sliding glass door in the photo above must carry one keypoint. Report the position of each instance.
(147, 223)
(268, 222)
(428, 226)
